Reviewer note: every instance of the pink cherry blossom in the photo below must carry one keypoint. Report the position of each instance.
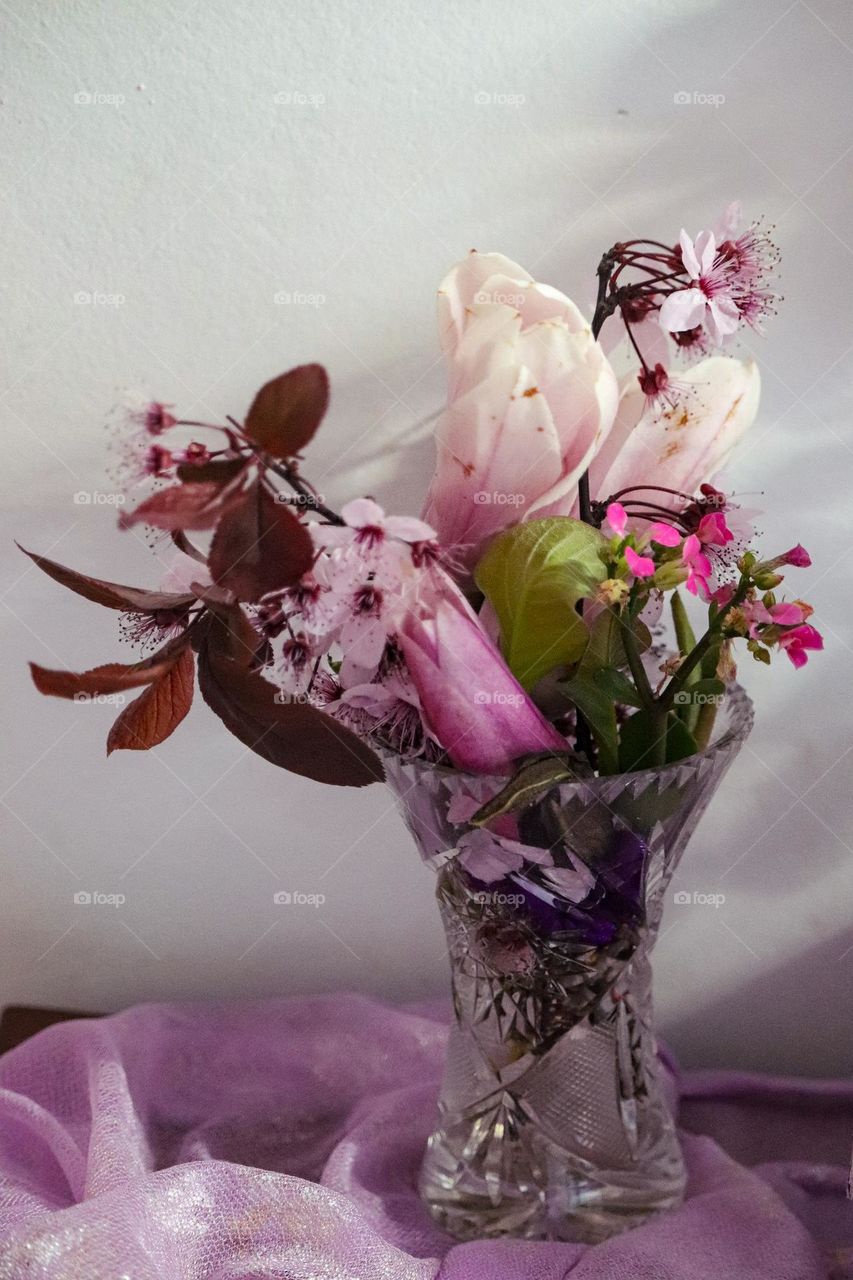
(708, 301)
(797, 642)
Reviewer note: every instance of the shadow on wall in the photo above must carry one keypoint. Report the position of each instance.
(801, 1008)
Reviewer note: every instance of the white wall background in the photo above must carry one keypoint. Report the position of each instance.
(196, 196)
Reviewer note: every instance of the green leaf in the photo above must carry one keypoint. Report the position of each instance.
(533, 779)
(533, 575)
(598, 709)
(685, 638)
(639, 742)
(616, 685)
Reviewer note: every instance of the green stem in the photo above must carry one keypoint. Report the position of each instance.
(696, 655)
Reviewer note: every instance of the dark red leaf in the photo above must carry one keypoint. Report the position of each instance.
(291, 735)
(259, 546)
(287, 411)
(157, 712)
(218, 471)
(109, 678)
(111, 594)
(181, 506)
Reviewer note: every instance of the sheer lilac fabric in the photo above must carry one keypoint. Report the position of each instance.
(282, 1139)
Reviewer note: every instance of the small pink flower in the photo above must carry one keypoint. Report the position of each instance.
(798, 641)
(708, 301)
(664, 534)
(714, 530)
(640, 566)
(757, 614)
(797, 556)
(617, 518)
(699, 567)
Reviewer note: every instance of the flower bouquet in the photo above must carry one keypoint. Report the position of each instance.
(520, 663)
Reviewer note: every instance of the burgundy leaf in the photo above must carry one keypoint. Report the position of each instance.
(259, 546)
(287, 411)
(181, 506)
(111, 594)
(157, 712)
(291, 735)
(217, 471)
(109, 678)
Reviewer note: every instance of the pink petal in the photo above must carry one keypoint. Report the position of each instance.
(724, 317)
(664, 534)
(408, 529)
(706, 247)
(640, 566)
(617, 518)
(361, 512)
(684, 309)
(688, 255)
(786, 614)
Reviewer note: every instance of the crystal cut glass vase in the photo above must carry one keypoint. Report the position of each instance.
(553, 1122)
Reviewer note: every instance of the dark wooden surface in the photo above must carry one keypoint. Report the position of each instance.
(19, 1022)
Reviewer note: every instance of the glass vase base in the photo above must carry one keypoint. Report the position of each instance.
(565, 1199)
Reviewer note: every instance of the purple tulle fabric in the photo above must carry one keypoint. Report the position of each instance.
(282, 1139)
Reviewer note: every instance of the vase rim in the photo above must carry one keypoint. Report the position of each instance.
(739, 710)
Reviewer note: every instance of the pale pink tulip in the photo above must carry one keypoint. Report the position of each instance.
(531, 398)
(683, 445)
